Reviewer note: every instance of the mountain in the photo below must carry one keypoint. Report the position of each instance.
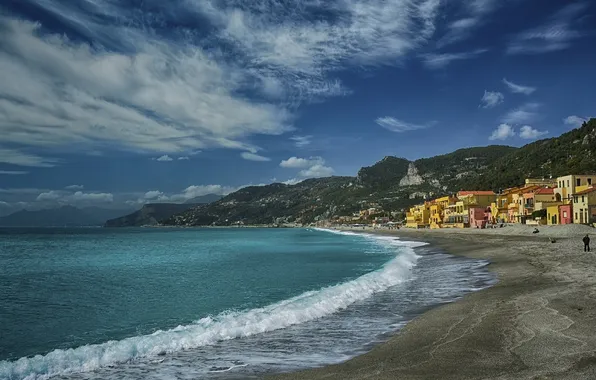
(396, 183)
(65, 216)
(202, 199)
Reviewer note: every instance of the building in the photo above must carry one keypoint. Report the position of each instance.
(479, 216)
(584, 206)
(544, 197)
(457, 215)
(418, 216)
(571, 184)
(566, 213)
(544, 182)
(552, 215)
(437, 210)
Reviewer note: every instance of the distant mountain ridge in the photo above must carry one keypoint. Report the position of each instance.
(65, 216)
(153, 213)
(396, 183)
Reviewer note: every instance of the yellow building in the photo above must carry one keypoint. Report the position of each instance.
(552, 215)
(571, 184)
(457, 214)
(437, 210)
(418, 216)
(584, 206)
(549, 182)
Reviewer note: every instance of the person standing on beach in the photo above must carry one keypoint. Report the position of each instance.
(586, 241)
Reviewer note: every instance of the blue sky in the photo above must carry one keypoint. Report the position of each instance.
(114, 102)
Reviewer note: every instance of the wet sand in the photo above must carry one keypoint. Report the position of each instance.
(538, 322)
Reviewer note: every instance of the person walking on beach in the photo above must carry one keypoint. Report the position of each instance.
(586, 241)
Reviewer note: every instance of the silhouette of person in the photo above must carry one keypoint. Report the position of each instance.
(586, 241)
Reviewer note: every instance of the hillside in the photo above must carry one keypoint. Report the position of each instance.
(395, 183)
(65, 216)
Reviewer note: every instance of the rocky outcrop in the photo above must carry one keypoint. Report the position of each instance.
(412, 178)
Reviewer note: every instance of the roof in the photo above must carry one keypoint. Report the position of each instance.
(545, 190)
(480, 192)
(587, 191)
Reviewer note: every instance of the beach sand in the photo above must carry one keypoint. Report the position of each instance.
(538, 322)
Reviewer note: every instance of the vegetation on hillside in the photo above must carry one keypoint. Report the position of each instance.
(482, 168)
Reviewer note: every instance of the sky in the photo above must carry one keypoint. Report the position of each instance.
(117, 103)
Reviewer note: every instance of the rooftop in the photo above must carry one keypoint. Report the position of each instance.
(545, 190)
(478, 192)
(587, 191)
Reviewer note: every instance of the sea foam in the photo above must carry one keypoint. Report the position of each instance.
(229, 325)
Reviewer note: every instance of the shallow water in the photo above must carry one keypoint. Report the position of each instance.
(209, 303)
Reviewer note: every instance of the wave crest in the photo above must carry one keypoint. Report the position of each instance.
(230, 325)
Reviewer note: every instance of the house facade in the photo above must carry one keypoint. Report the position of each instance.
(584, 206)
(566, 213)
(571, 184)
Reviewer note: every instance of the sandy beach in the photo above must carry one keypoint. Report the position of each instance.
(538, 322)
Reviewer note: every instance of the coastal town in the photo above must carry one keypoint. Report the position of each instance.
(569, 199)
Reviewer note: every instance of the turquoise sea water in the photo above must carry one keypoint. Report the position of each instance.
(208, 303)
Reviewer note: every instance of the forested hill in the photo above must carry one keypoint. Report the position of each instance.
(394, 183)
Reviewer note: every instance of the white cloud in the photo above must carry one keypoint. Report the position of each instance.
(312, 167)
(254, 157)
(164, 158)
(518, 88)
(79, 196)
(56, 91)
(395, 125)
(301, 141)
(199, 190)
(50, 196)
(527, 132)
(153, 194)
(13, 172)
(475, 12)
(441, 60)
(293, 181)
(75, 187)
(503, 132)
(521, 115)
(15, 157)
(316, 171)
(575, 121)
(491, 99)
(554, 35)
(183, 158)
(301, 163)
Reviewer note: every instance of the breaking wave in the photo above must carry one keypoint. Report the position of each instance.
(229, 325)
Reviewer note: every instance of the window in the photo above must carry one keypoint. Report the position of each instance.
(589, 181)
(564, 214)
(578, 182)
(576, 216)
(567, 183)
(583, 200)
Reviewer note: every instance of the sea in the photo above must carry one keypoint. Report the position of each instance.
(235, 303)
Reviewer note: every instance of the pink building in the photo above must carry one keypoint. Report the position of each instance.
(478, 217)
(565, 214)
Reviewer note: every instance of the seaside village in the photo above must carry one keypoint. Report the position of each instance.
(564, 200)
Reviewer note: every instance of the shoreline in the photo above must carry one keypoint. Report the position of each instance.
(536, 322)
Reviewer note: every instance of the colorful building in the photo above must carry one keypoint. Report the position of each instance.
(543, 182)
(418, 216)
(566, 213)
(584, 206)
(552, 215)
(479, 216)
(437, 210)
(568, 185)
